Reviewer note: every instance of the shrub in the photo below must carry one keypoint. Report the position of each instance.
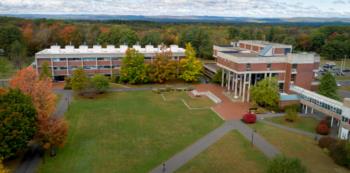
(282, 164)
(326, 142)
(100, 83)
(67, 84)
(322, 128)
(291, 113)
(340, 153)
(249, 118)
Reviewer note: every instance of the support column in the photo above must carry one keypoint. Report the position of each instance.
(312, 110)
(240, 85)
(244, 85)
(305, 109)
(229, 81)
(236, 85)
(223, 78)
(249, 83)
(332, 122)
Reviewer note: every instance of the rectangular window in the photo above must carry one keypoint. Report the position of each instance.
(89, 67)
(89, 59)
(55, 59)
(116, 58)
(294, 66)
(248, 67)
(63, 59)
(268, 66)
(74, 59)
(293, 77)
(103, 59)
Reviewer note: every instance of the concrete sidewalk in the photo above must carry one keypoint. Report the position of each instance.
(181, 158)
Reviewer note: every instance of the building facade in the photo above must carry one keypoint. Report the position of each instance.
(246, 62)
(96, 60)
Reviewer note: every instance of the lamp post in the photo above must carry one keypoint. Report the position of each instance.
(252, 141)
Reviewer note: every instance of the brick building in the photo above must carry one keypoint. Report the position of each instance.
(96, 60)
(246, 62)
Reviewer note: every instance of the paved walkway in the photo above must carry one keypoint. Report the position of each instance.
(32, 158)
(227, 109)
(301, 132)
(193, 150)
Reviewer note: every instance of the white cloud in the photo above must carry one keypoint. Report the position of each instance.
(240, 8)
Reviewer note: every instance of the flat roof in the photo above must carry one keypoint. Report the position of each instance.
(110, 49)
(264, 43)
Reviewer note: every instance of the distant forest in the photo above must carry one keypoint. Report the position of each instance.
(21, 38)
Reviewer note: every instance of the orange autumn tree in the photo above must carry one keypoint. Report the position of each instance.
(52, 132)
(40, 91)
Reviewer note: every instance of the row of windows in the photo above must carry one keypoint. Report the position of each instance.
(346, 120)
(84, 59)
(86, 67)
(268, 66)
(323, 105)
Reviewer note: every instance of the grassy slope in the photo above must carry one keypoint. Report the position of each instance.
(303, 123)
(304, 148)
(127, 132)
(231, 154)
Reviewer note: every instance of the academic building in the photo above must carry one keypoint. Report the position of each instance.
(246, 62)
(96, 60)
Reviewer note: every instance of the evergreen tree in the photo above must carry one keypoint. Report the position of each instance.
(17, 122)
(328, 86)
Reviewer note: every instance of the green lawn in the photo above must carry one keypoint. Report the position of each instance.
(127, 132)
(193, 102)
(299, 146)
(308, 124)
(231, 154)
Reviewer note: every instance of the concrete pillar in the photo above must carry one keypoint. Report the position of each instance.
(233, 81)
(229, 81)
(240, 85)
(305, 109)
(244, 87)
(312, 110)
(249, 83)
(236, 86)
(223, 78)
(332, 122)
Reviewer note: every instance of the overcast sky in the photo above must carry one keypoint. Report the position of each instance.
(232, 8)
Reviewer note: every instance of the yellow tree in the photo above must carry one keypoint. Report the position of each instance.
(2, 168)
(52, 132)
(191, 67)
(163, 68)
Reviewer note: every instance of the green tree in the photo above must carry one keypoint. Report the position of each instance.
(282, 164)
(233, 33)
(5, 68)
(45, 71)
(153, 38)
(133, 69)
(271, 34)
(335, 49)
(265, 93)
(190, 66)
(79, 80)
(100, 83)
(163, 68)
(8, 35)
(217, 77)
(17, 122)
(118, 35)
(17, 53)
(199, 39)
(328, 86)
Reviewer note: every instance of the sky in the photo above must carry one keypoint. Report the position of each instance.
(229, 8)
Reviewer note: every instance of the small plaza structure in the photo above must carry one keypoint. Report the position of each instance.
(96, 60)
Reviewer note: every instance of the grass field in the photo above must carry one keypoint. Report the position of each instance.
(231, 154)
(302, 147)
(308, 124)
(127, 132)
(193, 102)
